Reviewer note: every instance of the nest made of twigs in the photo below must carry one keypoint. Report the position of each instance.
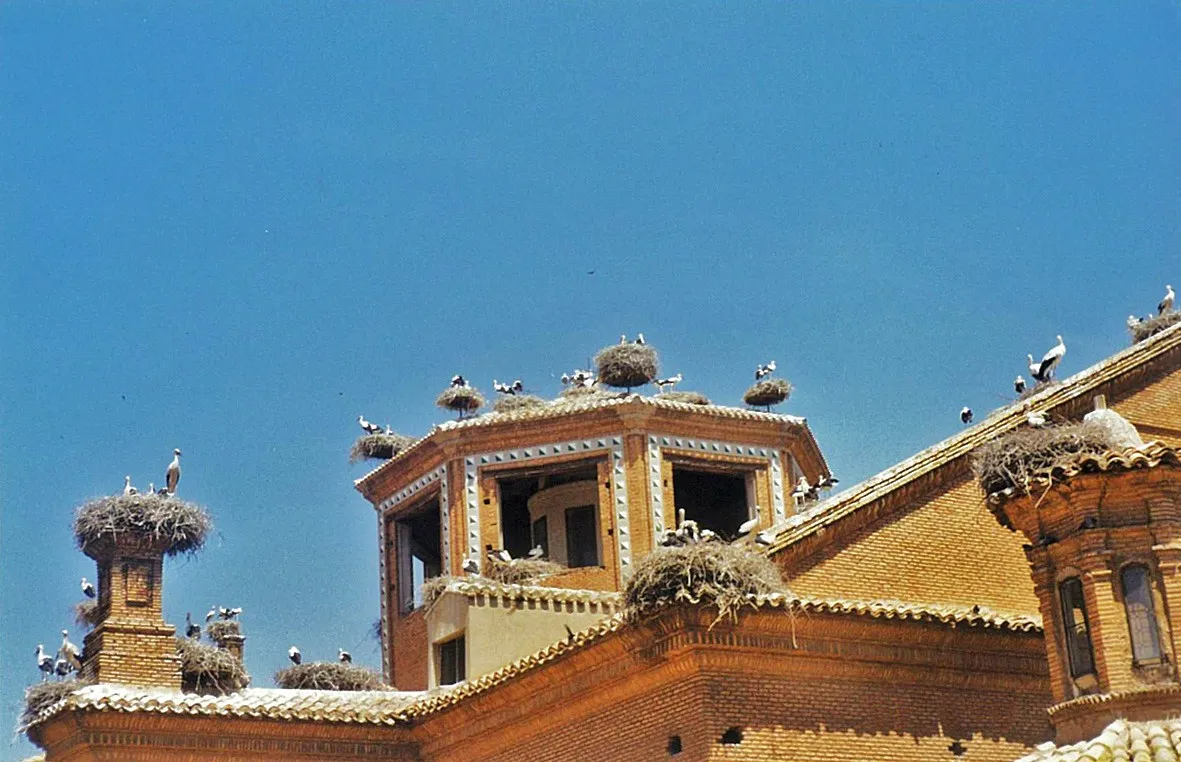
(220, 629)
(579, 392)
(691, 398)
(329, 676)
(507, 403)
(378, 446)
(209, 670)
(627, 365)
(461, 399)
(725, 575)
(1154, 325)
(43, 695)
(183, 526)
(520, 571)
(1014, 460)
(86, 614)
(768, 392)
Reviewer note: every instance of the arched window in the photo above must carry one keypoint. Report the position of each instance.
(1074, 622)
(1137, 587)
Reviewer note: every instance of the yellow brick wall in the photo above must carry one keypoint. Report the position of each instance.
(1155, 410)
(947, 548)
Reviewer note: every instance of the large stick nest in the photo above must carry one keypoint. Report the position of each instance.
(220, 629)
(329, 676)
(378, 446)
(768, 392)
(41, 696)
(208, 670)
(579, 392)
(724, 575)
(627, 365)
(461, 399)
(183, 526)
(691, 398)
(520, 571)
(1013, 461)
(510, 402)
(1154, 325)
(87, 614)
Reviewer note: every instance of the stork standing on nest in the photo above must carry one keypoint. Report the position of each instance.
(344, 656)
(127, 488)
(88, 588)
(69, 652)
(966, 415)
(369, 427)
(763, 371)
(458, 380)
(172, 478)
(1166, 304)
(295, 656)
(191, 630)
(1050, 361)
(44, 662)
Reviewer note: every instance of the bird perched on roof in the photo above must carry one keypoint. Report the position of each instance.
(458, 380)
(803, 490)
(763, 371)
(471, 566)
(173, 476)
(764, 538)
(670, 381)
(370, 428)
(1035, 369)
(512, 388)
(295, 656)
(536, 552)
(127, 488)
(640, 339)
(1166, 304)
(344, 656)
(44, 662)
(1019, 384)
(88, 588)
(966, 415)
(1050, 361)
(749, 525)
(828, 482)
(191, 630)
(69, 652)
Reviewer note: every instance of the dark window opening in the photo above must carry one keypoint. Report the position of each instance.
(451, 661)
(716, 501)
(732, 736)
(419, 553)
(518, 532)
(582, 549)
(674, 744)
(1141, 612)
(1077, 629)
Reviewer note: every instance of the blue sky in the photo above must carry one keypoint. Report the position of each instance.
(232, 227)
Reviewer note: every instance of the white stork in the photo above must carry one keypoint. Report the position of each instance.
(61, 667)
(458, 380)
(640, 339)
(536, 552)
(191, 630)
(1019, 384)
(966, 415)
(295, 656)
(828, 482)
(471, 566)
(1035, 369)
(501, 555)
(69, 652)
(1050, 361)
(173, 475)
(370, 428)
(344, 656)
(763, 371)
(44, 662)
(127, 488)
(211, 615)
(88, 588)
(1133, 321)
(670, 381)
(764, 538)
(1166, 304)
(749, 525)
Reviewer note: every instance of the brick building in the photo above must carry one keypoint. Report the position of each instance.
(926, 620)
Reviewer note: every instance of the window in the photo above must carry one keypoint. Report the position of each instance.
(451, 661)
(1078, 633)
(582, 548)
(540, 536)
(419, 553)
(716, 500)
(1137, 588)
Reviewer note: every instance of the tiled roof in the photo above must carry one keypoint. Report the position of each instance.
(370, 707)
(833, 509)
(1152, 741)
(473, 586)
(577, 405)
(1149, 455)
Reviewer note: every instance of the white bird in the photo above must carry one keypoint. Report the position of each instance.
(536, 551)
(191, 630)
(827, 482)
(966, 415)
(389, 430)
(670, 381)
(1050, 361)
(151, 488)
(1166, 304)
(69, 652)
(127, 488)
(1035, 369)
(1019, 385)
(763, 371)
(61, 667)
(344, 656)
(749, 525)
(44, 662)
(370, 428)
(173, 475)
(623, 338)
(1133, 321)
(295, 656)
(471, 566)
(501, 555)
(211, 615)
(458, 380)
(802, 489)
(566, 379)
(708, 535)
(1036, 420)
(512, 388)
(87, 588)
(764, 538)
(228, 614)
(640, 339)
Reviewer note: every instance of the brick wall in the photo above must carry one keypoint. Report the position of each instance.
(1155, 410)
(945, 548)
(410, 651)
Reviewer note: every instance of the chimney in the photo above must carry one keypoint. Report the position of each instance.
(131, 643)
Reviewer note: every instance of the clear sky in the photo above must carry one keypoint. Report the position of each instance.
(232, 227)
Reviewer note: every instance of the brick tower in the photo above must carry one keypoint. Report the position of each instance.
(131, 643)
(1105, 555)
